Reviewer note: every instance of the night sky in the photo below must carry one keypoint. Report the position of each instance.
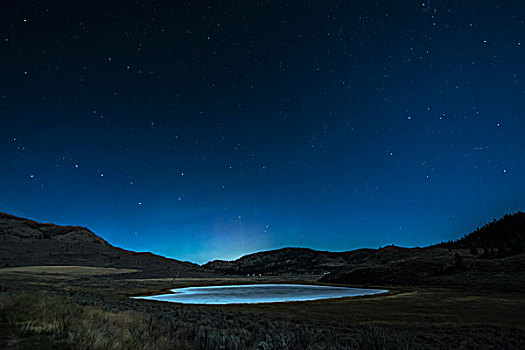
(211, 129)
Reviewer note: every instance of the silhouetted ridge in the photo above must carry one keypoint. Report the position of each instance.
(491, 257)
(26, 242)
(506, 235)
(288, 261)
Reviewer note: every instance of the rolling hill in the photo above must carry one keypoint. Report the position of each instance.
(29, 243)
(505, 236)
(490, 257)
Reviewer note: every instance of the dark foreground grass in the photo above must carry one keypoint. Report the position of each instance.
(67, 323)
(91, 321)
(88, 327)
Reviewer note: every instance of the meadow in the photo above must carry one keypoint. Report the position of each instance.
(81, 310)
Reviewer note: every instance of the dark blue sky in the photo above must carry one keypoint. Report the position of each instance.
(214, 129)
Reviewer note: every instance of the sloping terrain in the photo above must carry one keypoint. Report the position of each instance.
(27, 243)
(435, 267)
(490, 257)
(83, 300)
(502, 237)
(289, 261)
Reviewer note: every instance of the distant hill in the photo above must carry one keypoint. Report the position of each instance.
(25, 242)
(288, 261)
(490, 257)
(506, 236)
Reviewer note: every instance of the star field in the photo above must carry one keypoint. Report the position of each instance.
(202, 130)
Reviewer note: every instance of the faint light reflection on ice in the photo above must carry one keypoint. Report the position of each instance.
(258, 293)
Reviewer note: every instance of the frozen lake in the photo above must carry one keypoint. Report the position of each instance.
(258, 293)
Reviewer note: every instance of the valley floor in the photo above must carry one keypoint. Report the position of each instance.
(91, 309)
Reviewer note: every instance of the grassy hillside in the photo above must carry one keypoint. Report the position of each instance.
(57, 301)
(26, 242)
(505, 236)
(490, 257)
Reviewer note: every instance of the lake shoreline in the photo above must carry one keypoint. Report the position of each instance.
(272, 293)
(407, 317)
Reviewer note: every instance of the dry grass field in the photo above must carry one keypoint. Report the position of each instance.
(90, 308)
(66, 288)
(63, 271)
